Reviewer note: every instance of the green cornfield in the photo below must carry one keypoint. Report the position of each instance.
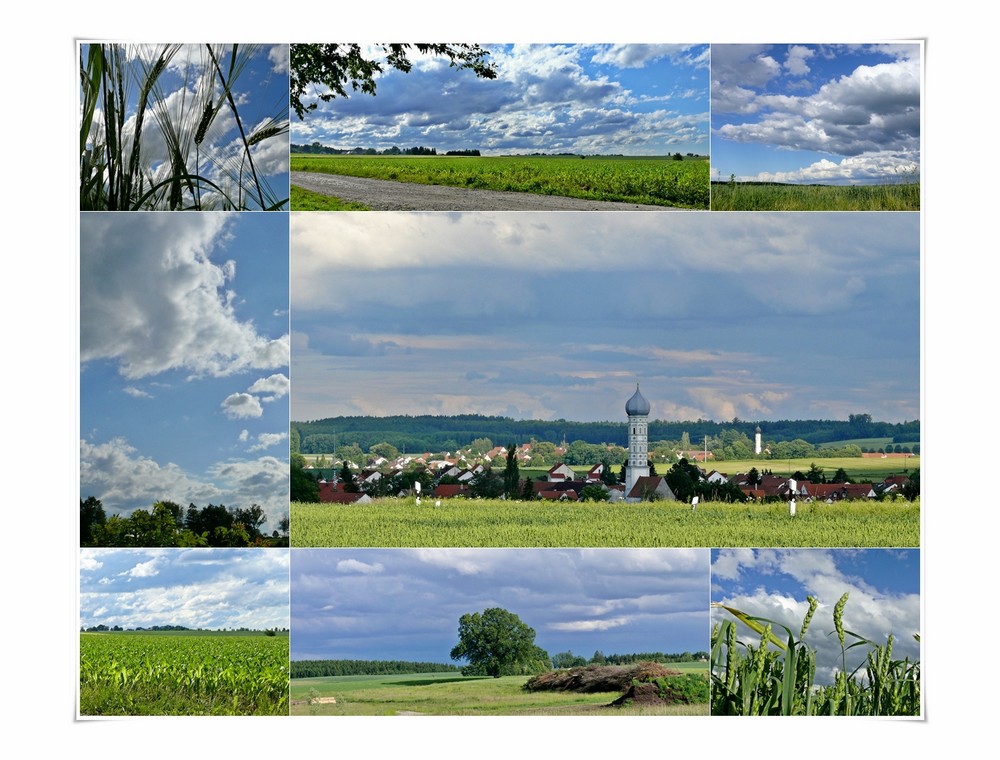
(658, 180)
(496, 523)
(775, 675)
(188, 673)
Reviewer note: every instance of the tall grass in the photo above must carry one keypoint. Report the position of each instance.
(143, 148)
(776, 675)
(760, 196)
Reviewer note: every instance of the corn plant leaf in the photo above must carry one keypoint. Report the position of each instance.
(788, 681)
(752, 622)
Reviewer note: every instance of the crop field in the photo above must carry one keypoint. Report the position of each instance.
(183, 673)
(776, 676)
(736, 196)
(453, 694)
(858, 469)
(655, 180)
(497, 523)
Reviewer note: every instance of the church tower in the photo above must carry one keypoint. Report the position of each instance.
(756, 441)
(637, 409)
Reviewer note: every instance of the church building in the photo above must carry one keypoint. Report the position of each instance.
(637, 409)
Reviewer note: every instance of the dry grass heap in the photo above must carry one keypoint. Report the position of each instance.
(597, 678)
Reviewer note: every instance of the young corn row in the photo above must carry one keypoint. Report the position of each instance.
(136, 674)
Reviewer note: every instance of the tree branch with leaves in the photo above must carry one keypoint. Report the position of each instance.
(339, 66)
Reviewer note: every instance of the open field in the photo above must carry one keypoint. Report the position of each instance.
(452, 694)
(653, 180)
(753, 196)
(183, 673)
(858, 469)
(497, 523)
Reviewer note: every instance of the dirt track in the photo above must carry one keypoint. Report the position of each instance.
(384, 195)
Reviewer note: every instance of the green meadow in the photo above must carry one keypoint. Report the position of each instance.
(858, 469)
(454, 694)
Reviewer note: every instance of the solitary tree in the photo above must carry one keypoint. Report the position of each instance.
(511, 475)
(496, 643)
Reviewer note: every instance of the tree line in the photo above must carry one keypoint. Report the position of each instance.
(569, 660)
(321, 668)
(422, 433)
(169, 524)
(316, 148)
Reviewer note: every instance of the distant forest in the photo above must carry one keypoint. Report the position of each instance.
(441, 433)
(324, 668)
(416, 150)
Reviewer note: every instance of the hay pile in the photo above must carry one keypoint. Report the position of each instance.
(596, 678)
(641, 694)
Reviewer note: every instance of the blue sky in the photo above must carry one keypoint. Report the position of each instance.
(184, 360)
(259, 88)
(558, 315)
(631, 99)
(883, 587)
(197, 588)
(830, 114)
(405, 603)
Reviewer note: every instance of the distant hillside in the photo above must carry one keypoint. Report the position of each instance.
(448, 433)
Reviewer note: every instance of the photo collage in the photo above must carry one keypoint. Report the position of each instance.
(500, 379)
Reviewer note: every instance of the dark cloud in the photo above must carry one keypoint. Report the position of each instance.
(379, 604)
(739, 305)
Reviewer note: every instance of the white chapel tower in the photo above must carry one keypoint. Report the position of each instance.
(756, 441)
(637, 409)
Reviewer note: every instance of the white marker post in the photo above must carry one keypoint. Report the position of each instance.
(694, 503)
(791, 508)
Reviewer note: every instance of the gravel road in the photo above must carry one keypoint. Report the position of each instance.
(384, 195)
